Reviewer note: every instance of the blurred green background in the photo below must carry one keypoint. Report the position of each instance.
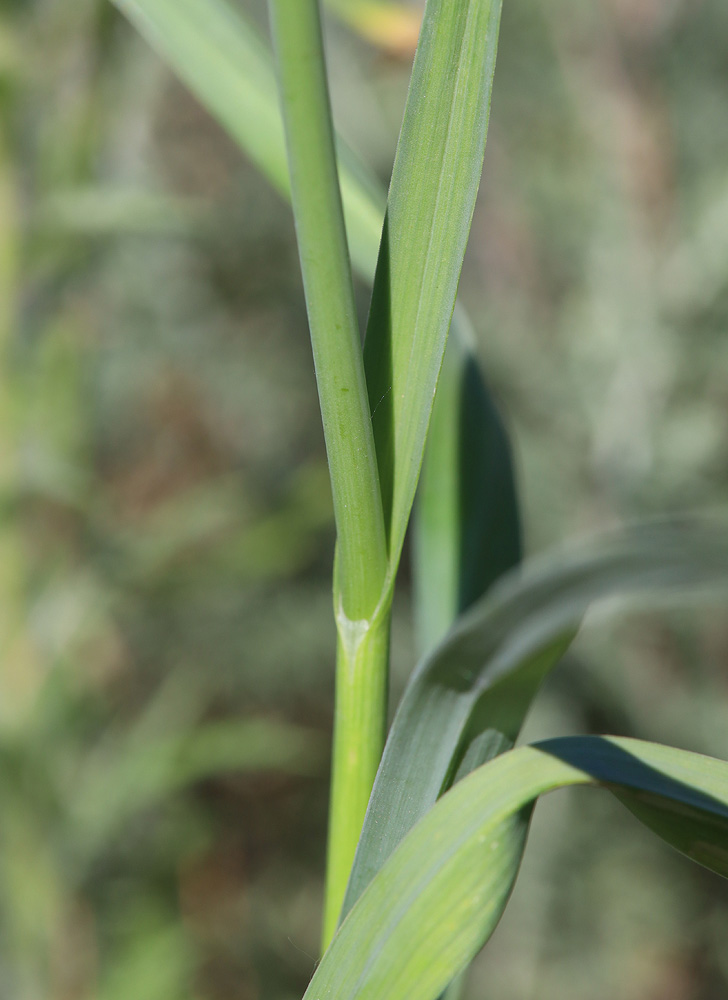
(166, 642)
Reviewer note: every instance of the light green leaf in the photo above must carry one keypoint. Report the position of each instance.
(440, 895)
(467, 701)
(431, 200)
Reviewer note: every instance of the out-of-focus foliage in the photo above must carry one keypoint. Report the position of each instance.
(165, 523)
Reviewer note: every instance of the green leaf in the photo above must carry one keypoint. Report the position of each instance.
(226, 65)
(327, 279)
(467, 701)
(224, 62)
(220, 57)
(431, 199)
(440, 895)
(467, 530)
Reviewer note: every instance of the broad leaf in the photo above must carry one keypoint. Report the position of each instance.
(467, 701)
(440, 895)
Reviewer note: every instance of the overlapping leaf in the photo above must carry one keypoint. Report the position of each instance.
(438, 898)
(220, 57)
(431, 200)
(467, 701)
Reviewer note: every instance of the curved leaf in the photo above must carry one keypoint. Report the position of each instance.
(439, 896)
(467, 701)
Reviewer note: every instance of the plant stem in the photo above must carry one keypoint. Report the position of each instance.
(335, 337)
(361, 586)
(359, 727)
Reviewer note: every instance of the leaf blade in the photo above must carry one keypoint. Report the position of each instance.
(327, 279)
(219, 56)
(431, 200)
(440, 895)
(467, 525)
(481, 681)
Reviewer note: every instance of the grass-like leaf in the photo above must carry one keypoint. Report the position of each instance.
(467, 530)
(327, 280)
(467, 701)
(438, 898)
(223, 61)
(431, 200)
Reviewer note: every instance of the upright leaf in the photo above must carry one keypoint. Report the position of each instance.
(431, 200)
(217, 53)
(224, 63)
(327, 280)
(467, 530)
(220, 57)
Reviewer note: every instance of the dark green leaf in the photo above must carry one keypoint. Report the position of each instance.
(467, 525)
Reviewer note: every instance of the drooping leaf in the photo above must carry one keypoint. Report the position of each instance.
(466, 702)
(439, 896)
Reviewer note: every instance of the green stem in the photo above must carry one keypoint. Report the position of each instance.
(335, 337)
(359, 729)
(361, 587)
